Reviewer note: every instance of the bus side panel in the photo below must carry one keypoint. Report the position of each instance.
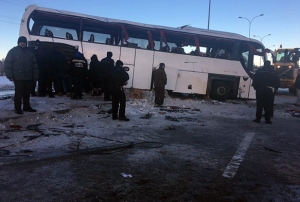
(172, 75)
(143, 69)
(252, 92)
(41, 38)
(245, 88)
(127, 56)
(89, 49)
(191, 82)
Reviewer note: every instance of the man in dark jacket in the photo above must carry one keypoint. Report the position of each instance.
(117, 79)
(160, 80)
(106, 71)
(63, 85)
(21, 68)
(78, 73)
(46, 72)
(265, 82)
(95, 75)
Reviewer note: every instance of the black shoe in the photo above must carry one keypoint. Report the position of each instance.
(114, 118)
(73, 98)
(124, 119)
(80, 97)
(51, 96)
(256, 120)
(268, 122)
(19, 111)
(29, 109)
(33, 94)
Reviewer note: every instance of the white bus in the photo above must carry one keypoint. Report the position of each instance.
(198, 61)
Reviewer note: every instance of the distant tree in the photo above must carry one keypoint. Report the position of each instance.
(2, 67)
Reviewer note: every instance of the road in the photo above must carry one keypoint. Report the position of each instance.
(215, 158)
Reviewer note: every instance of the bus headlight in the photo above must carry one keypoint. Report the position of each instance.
(278, 67)
(290, 66)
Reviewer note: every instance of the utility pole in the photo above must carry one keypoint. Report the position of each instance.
(208, 14)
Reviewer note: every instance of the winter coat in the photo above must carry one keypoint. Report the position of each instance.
(108, 63)
(266, 77)
(21, 65)
(117, 78)
(160, 78)
(46, 62)
(297, 82)
(95, 71)
(78, 68)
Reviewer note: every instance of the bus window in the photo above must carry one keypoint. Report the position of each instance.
(58, 32)
(98, 37)
(31, 23)
(258, 62)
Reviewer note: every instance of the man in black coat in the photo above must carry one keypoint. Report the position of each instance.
(265, 82)
(106, 70)
(21, 67)
(160, 80)
(78, 73)
(117, 79)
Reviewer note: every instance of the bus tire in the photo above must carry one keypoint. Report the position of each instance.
(220, 90)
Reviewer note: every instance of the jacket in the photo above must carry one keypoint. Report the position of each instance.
(266, 77)
(78, 68)
(160, 78)
(21, 65)
(95, 71)
(117, 78)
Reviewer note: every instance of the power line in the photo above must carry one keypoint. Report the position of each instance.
(10, 18)
(12, 3)
(12, 23)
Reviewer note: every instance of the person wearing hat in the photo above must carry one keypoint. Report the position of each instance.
(21, 67)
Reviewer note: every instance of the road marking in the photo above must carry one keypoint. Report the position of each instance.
(238, 157)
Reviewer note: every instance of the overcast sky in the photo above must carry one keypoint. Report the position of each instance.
(281, 18)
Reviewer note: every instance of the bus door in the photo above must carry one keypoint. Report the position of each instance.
(127, 56)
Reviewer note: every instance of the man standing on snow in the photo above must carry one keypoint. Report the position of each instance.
(160, 80)
(21, 67)
(117, 79)
(106, 71)
(266, 83)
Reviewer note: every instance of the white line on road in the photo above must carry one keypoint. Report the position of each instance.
(238, 157)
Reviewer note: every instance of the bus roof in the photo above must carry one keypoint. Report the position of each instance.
(183, 29)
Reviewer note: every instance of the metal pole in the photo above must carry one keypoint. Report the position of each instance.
(251, 21)
(208, 14)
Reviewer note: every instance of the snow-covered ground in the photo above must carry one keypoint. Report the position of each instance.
(62, 124)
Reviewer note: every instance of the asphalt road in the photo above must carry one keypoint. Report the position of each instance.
(213, 159)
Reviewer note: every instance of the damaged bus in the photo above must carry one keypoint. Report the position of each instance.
(198, 61)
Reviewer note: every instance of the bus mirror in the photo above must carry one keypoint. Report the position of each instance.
(245, 78)
(126, 68)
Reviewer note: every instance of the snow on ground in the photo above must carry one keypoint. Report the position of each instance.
(63, 124)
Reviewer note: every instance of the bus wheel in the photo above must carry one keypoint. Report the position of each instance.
(220, 90)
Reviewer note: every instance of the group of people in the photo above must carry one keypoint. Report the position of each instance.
(24, 67)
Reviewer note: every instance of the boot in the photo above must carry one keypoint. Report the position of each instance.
(19, 111)
(27, 108)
